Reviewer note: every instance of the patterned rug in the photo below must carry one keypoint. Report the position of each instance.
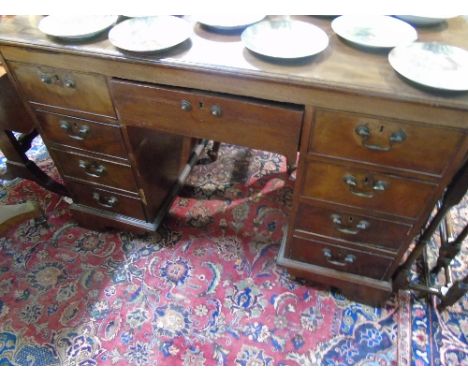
(204, 290)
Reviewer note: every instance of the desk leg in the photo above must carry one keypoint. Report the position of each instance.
(18, 164)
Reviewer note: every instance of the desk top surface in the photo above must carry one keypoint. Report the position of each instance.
(341, 66)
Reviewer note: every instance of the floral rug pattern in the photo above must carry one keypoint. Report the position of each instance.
(203, 290)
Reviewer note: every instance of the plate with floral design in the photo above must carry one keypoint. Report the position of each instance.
(150, 34)
(426, 20)
(285, 39)
(432, 64)
(75, 27)
(228, 22)
(374, 31)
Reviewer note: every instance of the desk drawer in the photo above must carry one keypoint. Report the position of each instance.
(370, 190)
(396, 144)
(95, 170)
(64, 88)
(82, 134)
(356, 228)
(262, 125)
(101, 198)
(339, 258)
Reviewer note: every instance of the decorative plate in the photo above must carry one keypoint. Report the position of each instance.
(432, 64)
(374, 31)
(424, 20)
(229, 22)
(150, 34)
(285, 39)
(75, 27)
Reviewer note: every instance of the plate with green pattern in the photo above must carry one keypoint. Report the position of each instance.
(374, 31)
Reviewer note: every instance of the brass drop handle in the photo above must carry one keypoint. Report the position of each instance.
(69, 83)
(366, 189)
(338, 260)
(216, 111)
(337, 220)
(93, 169)
(185, 105)
(49, 79)
(46, 78)
(105, 201)
(75, 131)
(364, 132)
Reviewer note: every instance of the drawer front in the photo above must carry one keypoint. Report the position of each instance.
(64, 88)
(339, 258)
(103, 199)
(402, 145)
(356, 228)
(371, 190)
(83, 134)
(256, 124)
(95, 170)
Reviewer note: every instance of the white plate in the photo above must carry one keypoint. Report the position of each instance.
(374, 31)
(150, 34)
(229, 22)
(425, 20)
(285, 39)
(130, 16)
(432, 64)
(75, 27)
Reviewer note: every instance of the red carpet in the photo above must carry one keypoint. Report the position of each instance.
(204, 290)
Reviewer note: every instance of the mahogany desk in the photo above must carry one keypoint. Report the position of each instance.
(119, 127)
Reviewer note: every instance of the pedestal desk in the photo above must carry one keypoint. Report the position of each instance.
(120, 126)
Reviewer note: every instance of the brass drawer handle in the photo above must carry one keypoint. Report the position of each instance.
(361, 225)
(216, 111)
(185, 105)
(339, 260)
(105, 201)
(75, 131)
(54, 79)
(48, 79)
(69, 83)
(364, 132)
(93, 169)
(366, 188)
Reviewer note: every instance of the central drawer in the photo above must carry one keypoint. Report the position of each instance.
(366, 189)
(261, 125)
